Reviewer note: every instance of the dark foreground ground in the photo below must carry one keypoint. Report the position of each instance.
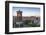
(25, 24)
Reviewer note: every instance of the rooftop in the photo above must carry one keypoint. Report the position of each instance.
(19, 11)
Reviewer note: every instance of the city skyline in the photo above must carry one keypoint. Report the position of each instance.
(27, 11)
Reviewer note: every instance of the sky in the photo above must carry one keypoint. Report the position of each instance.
(26, 11)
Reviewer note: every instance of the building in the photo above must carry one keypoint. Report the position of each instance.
(19, 15)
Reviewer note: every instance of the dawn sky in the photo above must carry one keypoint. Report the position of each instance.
(27, 11)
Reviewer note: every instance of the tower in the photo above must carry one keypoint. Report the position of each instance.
(19, 15)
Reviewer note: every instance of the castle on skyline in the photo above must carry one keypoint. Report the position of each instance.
(19, 15)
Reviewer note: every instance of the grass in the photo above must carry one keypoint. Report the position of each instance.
(30, 24)
(27, 23)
